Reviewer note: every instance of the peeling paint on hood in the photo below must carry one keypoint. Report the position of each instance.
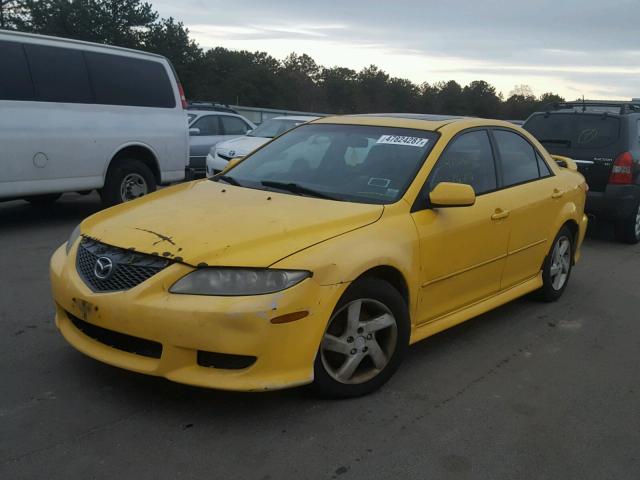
(210, 223)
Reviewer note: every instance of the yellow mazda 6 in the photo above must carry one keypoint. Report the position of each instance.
(323, 255)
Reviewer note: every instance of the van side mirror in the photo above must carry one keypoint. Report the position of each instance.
(447, 194)
(194, 131)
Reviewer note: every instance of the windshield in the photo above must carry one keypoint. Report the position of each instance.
(574, 130)
(273, 128)
(342, 162)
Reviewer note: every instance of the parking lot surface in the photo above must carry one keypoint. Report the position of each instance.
(530, 390)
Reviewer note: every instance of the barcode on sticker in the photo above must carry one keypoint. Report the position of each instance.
(402, 140)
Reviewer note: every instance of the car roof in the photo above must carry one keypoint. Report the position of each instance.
(414, 120)
(304, 118)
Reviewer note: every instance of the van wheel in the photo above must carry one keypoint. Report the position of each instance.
(127, 180)
(628, 230)
(46, 199)
(365, 340)
(557, 267)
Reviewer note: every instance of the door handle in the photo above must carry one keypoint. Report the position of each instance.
(499, 214)
(557, 193)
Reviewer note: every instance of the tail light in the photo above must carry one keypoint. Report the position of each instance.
(622, 171)
(183, 99)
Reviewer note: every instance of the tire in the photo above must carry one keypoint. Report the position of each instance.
(42, 200)
(127, 180)
(555, 281)
(628, 229)
(376, 349)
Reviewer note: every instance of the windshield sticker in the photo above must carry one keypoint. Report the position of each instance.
(402, 140)
(379, 182)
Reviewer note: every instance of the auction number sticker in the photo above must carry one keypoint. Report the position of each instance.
(402, 140)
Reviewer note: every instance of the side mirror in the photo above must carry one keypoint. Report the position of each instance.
(448, 194)
(232, 163)
(194, 131)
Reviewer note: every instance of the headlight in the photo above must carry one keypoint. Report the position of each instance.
(237, 281)
(72, 238)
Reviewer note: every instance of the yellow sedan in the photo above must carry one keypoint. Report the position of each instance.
(323, 255)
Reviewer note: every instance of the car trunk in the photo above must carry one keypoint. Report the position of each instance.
(592, 140)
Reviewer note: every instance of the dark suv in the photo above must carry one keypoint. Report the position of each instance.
(603, 138)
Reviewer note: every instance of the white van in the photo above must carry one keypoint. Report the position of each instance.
(77, 116)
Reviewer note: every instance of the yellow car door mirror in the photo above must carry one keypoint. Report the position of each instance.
(447, 194)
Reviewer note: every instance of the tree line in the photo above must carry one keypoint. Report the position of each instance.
(257, 78)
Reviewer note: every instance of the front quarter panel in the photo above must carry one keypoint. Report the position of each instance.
(391, 241)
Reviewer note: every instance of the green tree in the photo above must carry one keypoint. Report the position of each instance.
(12, 13)
(115, 22)
(481, 99)
(449, 98)
(338, 85)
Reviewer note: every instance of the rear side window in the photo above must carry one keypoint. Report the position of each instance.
(574, 130)
(468, 159)
(119, 80)
(518, 158)
(543, 168)
(15, 80)
(59, 74)
(208, 125)
(233, 125)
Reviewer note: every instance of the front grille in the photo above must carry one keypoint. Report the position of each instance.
(224, 157)
(128, 268)
(121, 341)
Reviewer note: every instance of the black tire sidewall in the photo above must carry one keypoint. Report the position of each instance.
(547, 293)
(384, 292)
(626, 228)
(110, 193)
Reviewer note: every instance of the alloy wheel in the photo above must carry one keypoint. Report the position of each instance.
(560, 262)
(359, 342)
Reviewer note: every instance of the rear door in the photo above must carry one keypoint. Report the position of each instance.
(592, 140)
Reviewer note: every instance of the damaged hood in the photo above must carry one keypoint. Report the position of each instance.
(212, 223)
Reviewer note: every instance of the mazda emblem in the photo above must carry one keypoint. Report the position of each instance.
(103, 268)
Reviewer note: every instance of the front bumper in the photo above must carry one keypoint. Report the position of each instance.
(615, 203)
(187, 324)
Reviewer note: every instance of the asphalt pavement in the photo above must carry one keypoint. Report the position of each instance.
(528, 391)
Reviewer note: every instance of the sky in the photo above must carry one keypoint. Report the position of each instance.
(569, 47)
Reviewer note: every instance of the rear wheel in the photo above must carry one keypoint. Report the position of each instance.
(628, 229)
(127, 180)
(557, 267)
(365, 340)
(46, 199)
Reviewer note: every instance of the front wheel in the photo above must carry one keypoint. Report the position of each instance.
(365, 340)
(557, 267)
(628, 229)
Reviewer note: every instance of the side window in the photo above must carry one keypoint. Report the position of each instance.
(208, 125)
(59, 74)
(543, 168)
(120, 80)
(467, 159)
(15, 80)
(518, 158)
(233, 125)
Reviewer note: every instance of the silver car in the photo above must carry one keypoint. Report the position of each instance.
(206, 129)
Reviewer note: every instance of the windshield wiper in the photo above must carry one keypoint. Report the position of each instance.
(296, 188)
(555, 140)
(226, 179)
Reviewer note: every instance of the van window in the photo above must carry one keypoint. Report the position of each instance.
(233, 125)
(119, 80)
(59, 74)
(15, 80)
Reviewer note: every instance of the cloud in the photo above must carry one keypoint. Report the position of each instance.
(571, 46)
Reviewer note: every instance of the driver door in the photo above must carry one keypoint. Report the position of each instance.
(462, 249)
